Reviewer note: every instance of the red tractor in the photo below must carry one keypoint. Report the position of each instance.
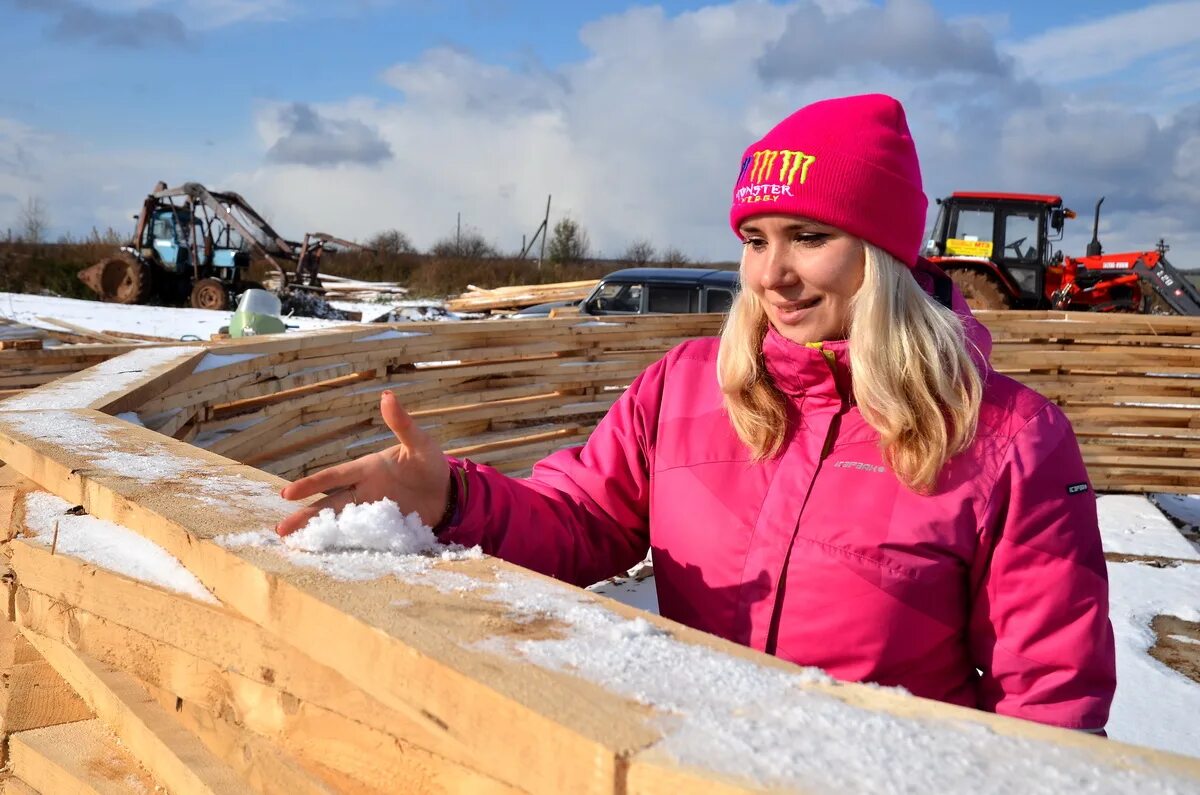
(997, 249)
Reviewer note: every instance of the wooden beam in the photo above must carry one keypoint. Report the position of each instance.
(172, 755)
(82, 758)
(32, 694)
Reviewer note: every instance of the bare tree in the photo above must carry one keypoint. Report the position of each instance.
(674, 258)
(34, 220)
(391, 242)
(469, 244)
(640, 252)
(570, 242)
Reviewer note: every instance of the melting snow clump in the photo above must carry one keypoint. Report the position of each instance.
(365, 542)
(378, 526)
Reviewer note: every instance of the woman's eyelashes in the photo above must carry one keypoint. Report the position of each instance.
(812, 239)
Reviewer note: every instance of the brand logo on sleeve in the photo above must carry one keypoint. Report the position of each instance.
(1077, 488)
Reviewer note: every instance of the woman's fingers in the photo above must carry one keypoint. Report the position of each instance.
(295, 521)
(400, 421)
(326, 480)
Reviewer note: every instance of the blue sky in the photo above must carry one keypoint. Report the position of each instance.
(357, 116)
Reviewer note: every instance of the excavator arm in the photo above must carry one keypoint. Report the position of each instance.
(1169, 284)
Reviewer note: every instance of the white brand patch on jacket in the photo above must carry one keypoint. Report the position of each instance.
(860, 466)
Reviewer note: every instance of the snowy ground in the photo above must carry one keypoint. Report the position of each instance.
(157, 321)
(179, 323)
(1154, 705)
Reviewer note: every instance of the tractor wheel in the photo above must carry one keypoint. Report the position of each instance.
(210, 294)
(979, 289)
(122, 279)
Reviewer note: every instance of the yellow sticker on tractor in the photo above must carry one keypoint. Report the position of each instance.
(968, 248)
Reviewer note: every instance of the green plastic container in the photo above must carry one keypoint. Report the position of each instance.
(257, 313)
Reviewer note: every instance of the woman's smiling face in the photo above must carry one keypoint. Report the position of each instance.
(804, 272)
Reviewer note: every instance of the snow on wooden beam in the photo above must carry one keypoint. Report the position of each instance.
(533, 683)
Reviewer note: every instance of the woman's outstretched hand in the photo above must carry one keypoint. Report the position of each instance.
(413, 473)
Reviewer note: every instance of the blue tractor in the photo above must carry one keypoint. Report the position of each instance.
(194, 246)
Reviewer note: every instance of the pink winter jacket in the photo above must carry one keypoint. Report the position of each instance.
(990, 593)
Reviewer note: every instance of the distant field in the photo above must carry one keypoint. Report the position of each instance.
(1195, 277)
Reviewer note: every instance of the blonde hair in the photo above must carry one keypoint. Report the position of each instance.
(914, 380)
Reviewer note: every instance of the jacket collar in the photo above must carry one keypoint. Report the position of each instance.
(812, 369)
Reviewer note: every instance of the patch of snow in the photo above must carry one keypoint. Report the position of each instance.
(366, 542)
(1184, 639)
(212, 361)
(105, 378)
(392, 334)
(1154, 705)
(1130, 524)
(157, 321)
(714, 704)
(641, 594)
(132, 418)
(155, 463)
(108, 545)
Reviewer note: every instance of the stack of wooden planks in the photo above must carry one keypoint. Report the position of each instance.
(342, 288)
(26, 366)
(501, 299)
(158, 635)
(507, 392)
(1129, 383)
(502, 392)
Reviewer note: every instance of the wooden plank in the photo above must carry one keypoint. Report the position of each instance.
(172, 755)
(570, 735)
(225, 664)
(99, 336)
(82, 758)
(315, 749)
(15, 786)
(33, 695)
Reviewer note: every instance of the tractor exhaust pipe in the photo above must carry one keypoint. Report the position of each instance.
(1094, 248)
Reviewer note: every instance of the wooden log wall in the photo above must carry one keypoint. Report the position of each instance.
(1130, 385)
(508, 392)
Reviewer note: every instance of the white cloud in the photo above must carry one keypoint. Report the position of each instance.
(79, 186)
(641, 137)
(1108, 45)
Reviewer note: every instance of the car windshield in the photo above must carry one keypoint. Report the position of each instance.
(618, 298)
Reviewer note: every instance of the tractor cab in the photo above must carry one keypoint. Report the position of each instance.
(174, 232)
(998, 246)
(169, 239)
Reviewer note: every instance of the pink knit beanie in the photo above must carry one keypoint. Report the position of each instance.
(847, 162)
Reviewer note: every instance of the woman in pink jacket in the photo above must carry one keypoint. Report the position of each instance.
(839, 479)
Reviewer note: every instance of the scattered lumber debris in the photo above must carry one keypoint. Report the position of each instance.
(87, 333)
(479, 299)
(22, 344)
(339, 287)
